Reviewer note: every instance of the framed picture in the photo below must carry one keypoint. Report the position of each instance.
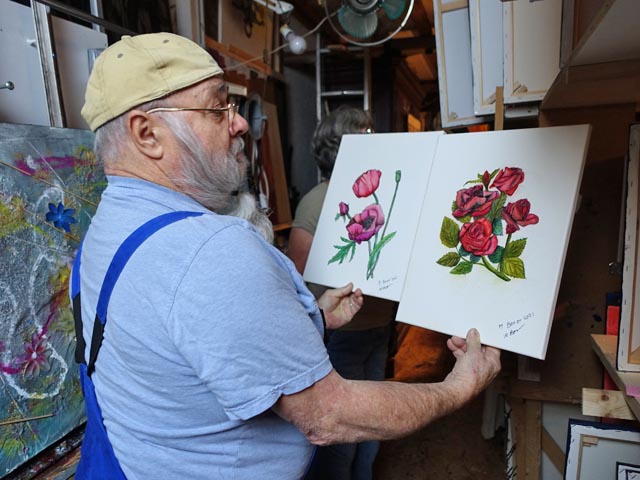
(628, 357)
(595, 449)
(627, 471)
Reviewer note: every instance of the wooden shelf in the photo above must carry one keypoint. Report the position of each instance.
(605, 347)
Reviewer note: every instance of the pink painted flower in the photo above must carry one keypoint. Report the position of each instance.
(367, 183)
(517, 215)
(477, 237)
(508, 179)
(35, 356)
(474, 201)
(365, 225)
(344, 209)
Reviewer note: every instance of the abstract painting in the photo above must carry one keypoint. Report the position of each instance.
(50, 185)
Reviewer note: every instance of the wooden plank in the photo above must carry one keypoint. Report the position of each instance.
(499, 117)
(605, 347)
(238, 55)
(280, 192)
(454, 5)
(533, 445)
(605, 403)
(553, 451)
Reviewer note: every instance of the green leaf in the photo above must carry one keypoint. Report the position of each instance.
(462, 268)
(494, 173)
(474, 258)
(465, 219)
(514, 267)
(473, 181)
(450, 259)
(449, 233)
(496, 256)
(343, 251)
(353, 251)
(496, 208)
(497, 226)
(515, 248)
(454, 206)
(378, 247)
(346, 240)
(463, 252)
(337, 217)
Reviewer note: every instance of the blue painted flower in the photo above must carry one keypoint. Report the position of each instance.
(60, 216)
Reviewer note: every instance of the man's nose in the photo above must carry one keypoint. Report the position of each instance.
(238, 126)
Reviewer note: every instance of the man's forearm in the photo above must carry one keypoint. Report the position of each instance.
(362, 410)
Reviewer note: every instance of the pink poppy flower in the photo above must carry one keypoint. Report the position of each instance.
(367, 183)
(365, 225)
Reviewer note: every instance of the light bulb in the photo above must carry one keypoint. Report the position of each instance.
(297, 44)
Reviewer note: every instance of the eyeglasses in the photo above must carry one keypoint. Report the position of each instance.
(231, 110)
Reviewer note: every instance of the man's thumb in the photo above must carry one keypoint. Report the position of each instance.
(473, 339)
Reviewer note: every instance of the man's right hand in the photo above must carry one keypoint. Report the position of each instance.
(476, 364)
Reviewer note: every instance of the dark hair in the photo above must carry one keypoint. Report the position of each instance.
(326, 139)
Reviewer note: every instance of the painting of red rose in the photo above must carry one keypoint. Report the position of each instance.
(476, 229)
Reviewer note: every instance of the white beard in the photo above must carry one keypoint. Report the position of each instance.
(216, 179)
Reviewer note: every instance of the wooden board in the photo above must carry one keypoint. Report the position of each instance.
(279, 191)
(605, 348)
(605, 403)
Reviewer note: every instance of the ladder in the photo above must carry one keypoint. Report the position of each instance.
(336, 93)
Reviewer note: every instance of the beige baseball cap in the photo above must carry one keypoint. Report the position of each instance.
(136, 70)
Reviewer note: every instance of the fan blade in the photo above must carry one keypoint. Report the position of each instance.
(358, 26)
(394, 8)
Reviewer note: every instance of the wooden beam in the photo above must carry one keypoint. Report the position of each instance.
(455, 5)
(553, 451)
(605, 403)
(499, 116)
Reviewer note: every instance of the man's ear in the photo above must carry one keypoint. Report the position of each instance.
(146, 134)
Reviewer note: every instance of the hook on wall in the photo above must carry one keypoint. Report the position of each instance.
(8, 85)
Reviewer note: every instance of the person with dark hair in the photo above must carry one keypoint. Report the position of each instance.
(358, 351)
(201, 349)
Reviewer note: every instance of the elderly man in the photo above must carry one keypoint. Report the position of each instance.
(201, 349)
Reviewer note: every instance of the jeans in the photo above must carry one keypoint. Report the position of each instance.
(356, 355)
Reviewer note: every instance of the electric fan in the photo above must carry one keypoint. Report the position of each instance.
(367, 22)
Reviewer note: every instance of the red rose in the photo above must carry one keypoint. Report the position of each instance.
(367, 183)
(365, 225)
(517, 215)
(477, 237)
(474, 201)
(508, 180)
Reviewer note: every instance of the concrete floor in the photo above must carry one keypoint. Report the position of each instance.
(450, 448)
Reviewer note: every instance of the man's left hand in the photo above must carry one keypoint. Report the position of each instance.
(340, 305)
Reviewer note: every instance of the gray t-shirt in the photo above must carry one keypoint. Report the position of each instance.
(208, 326)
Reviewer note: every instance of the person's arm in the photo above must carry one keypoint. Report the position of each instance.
(339, 304)
(336, 410)
(299, 246)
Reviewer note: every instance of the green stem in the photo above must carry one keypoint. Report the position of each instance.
(494, 271)
(376, 198)
(506, 244)
(386, 224)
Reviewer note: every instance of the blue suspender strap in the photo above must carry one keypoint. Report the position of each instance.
(120, 259)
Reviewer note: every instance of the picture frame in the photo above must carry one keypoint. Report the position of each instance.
(627, 471)
(594, 449)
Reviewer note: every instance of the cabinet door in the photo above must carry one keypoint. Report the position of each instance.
(20, 64)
